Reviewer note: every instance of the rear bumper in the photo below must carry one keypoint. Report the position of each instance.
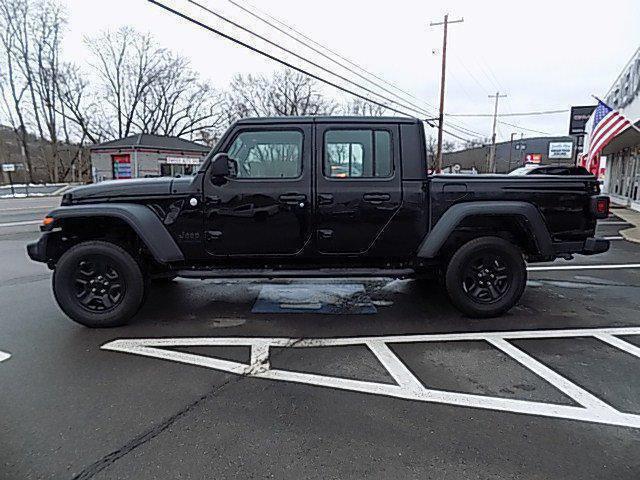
(37, 251)
(591, 246)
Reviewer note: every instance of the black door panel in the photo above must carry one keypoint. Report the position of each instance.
(358, 182)
(257, 213)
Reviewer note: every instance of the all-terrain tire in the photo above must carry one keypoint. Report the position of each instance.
(98, 284)
(486, 277)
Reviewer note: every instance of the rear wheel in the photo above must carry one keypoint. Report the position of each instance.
(98, 284)
(486, 277)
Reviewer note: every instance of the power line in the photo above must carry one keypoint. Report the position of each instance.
(523, 128)
(467, 131)
(456, 136)
(274, 58)
(350, 62)
(300, 57)
(324, 55)
(333, 52)
(296, 68)
(520, 114)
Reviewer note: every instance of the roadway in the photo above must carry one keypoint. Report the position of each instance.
(338, 396)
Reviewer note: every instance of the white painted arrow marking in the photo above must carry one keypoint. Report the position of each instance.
(591, 409)
(4, 356)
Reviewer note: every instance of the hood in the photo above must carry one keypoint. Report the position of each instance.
(114, 189)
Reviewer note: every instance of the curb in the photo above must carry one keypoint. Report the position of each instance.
(631, 234)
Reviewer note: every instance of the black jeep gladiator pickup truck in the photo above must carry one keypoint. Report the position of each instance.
(311, 197)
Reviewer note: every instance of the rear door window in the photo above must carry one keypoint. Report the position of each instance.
(357, 154)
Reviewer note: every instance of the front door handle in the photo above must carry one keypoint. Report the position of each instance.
(292, 198)
(376, 198)
(325, 234)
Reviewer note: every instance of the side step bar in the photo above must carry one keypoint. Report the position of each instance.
(317, 273)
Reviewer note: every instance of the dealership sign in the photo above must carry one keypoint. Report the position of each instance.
(579, 118)
(8, 167)
(183, 160)
(560, 149)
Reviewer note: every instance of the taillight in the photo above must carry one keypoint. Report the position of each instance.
(600, 206)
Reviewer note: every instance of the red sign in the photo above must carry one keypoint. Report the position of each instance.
(534, 157)
(121, 166)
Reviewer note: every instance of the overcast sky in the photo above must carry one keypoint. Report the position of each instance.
(544, 54)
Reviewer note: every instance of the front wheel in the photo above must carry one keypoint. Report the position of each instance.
(98, 284)
(486, 277)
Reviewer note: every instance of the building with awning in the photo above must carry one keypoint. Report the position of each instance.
(622, 180)
(146, 155)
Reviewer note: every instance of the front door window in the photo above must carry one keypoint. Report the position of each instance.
(267, 154)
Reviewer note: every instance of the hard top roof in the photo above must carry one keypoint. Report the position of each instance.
(325, 119)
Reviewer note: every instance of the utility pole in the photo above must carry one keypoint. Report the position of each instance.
(492, 152)
(445, 23)
(510, 151)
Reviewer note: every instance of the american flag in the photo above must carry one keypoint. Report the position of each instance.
(607, 123)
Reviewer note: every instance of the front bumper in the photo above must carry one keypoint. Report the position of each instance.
(37, 251)
(590, 246)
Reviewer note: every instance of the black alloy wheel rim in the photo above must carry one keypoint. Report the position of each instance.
(487, 278)
(99, 285)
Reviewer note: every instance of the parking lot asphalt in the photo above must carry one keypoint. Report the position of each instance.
(413, 391)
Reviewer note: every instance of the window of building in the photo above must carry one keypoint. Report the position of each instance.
(357, 154)
(268, 154)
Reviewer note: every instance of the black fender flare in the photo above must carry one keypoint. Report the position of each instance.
(144, 222)
(441, 231)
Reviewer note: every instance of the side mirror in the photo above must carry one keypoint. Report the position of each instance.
(220, 165)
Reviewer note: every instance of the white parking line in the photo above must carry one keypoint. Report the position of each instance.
(614, 238)
(19, 224)
(613, 223)
(408, 386)
(4, 356)
(550, 268)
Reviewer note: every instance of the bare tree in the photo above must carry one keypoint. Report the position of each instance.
(285, 93)
(13, 88)
(78, 104)
(126, 64)
(476, 142)
(42, 69)
(144, 88)
(432, 147)
(449, 146)
(361, 107)
(31, 41)
(178, 104)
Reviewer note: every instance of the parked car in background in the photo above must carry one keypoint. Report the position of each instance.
(550, 170)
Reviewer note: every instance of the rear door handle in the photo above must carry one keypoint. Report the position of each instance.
(325, 199)
(291, 198)
(376, 197)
